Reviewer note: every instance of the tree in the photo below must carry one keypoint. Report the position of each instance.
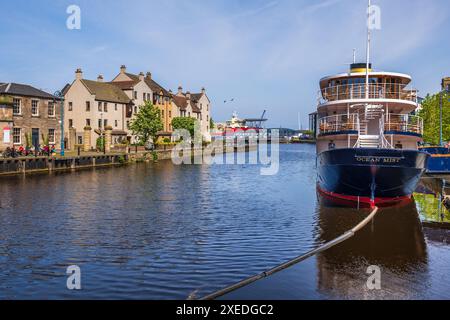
(147, 123)
(184, 123)
(431, 114)
(211, 123)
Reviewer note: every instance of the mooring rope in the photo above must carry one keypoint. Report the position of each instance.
(299, 259)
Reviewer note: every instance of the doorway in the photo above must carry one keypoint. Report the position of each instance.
(35, 138)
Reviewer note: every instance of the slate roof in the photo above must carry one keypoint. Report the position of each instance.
(24, 90)
(181, 102)
(125, 85)
(156, 87)
(106, 91)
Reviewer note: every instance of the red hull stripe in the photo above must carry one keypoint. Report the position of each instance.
(363, 201)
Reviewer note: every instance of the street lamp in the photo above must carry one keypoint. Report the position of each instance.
(60, 95)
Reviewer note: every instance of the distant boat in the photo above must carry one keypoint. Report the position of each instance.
(237, 127)
(439, 161)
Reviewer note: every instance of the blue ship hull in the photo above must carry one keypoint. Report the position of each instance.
(370, 176)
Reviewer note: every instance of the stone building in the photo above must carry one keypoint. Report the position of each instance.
(28, 112)
(141, 88)
(6, 121)
(94, 105)
(195, 105)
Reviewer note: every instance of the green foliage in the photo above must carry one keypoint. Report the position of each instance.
(184, 123)
(121, 159)
(147, 123)
(155, 156)
(166, 140)
(45, 139)
(430, 115)
(211, 123)
(100, 143)
(28, 140)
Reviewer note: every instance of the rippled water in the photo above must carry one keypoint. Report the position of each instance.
(159, 231)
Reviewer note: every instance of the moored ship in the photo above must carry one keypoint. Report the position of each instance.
(368, 137)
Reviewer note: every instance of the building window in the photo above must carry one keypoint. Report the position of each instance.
(99, 106)
(99, 123)
(189, 114)
(135, 109)
(116, 123)
(88, 106)
(70, 123)
(115, 107)
(105, 123)
(105, 107)
(88, 122)
(51, 109)
(17, 135)
(51, 136)
(128, 124)
(148, 97)
(35, 108)
(70, 106)
(207, 107)
(162, 113)
(80, 140)
(135, 95)
(17, 106)
(170, 114)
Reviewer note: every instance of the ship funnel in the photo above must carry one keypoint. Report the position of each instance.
(359, 67)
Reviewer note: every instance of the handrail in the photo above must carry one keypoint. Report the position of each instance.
(383, 141)
(404, 123)
(338, 122)
(358, 91)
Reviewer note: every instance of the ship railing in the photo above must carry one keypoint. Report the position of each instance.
(376, 91)
(384, 143)
(339, 123)
(403, 123)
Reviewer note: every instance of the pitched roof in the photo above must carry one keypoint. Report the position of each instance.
(106, 91)
(125, 85)
(180, 102)
(156, 87)
(65, 89)
(24, 90)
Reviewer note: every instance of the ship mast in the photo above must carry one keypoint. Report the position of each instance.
(368, 51)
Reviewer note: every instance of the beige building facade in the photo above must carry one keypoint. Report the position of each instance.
(95, 105)
(197, 106)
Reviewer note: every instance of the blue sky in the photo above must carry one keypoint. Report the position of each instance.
(265, 54)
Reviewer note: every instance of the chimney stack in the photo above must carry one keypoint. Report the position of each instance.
(100, 78)
(79, 74)
(123, 69)
(180, 90)
(203, 90)
(141, 76)
(149, 75)
(188, 95)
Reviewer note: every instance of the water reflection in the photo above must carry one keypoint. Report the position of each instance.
(394, 241)
(432, 199)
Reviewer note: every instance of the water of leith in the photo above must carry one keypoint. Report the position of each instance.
(160, 231)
